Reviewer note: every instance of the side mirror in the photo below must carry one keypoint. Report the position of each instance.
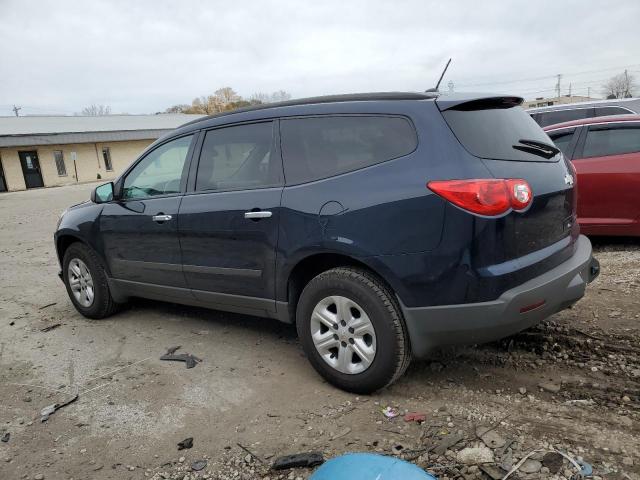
(102, 193)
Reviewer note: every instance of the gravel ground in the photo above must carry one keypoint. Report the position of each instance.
(571, 384)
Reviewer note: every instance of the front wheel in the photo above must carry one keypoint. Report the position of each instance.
(352, 330)
(86, 282)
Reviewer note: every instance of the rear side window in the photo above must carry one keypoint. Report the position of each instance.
(611, 140)
(560, 116)
(562, 140)
(321, 147)
(493, 132)
(239, 157)
(604, 111)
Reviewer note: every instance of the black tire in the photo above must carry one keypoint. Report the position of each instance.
(103, 304)
(393, 351)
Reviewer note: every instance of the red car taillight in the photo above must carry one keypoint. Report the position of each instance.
(489, 197)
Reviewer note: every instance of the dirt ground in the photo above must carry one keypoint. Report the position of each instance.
(255, 397)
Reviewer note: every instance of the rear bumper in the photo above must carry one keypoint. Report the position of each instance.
(516, 309)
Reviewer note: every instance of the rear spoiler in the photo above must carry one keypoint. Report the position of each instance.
(469, 102)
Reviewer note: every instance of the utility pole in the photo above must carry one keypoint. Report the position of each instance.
(588, 92)
(569, 90)
(16, 110)
(558, 85)
(627, 94)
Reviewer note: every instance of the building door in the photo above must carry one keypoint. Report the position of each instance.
(3, 183)
(31, 169)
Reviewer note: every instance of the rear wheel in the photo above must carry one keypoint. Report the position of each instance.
(86, 282)
(352, 330)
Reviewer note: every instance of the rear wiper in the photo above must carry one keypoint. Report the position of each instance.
(537, 148)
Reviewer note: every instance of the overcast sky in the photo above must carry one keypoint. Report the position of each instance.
(143, 56)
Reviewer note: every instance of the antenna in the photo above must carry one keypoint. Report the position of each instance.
(441, 77)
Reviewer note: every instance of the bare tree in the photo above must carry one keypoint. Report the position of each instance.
(226, 99)
(180, 108)
(280, 96)
(96, 110)
(622, 85)
(259, 98)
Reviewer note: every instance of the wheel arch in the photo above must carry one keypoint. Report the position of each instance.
(314, 264)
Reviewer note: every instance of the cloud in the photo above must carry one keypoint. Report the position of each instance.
(143, 56)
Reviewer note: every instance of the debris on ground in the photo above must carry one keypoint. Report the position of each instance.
(198, 465)
(298, 460)
(190, 360)
(50, 327)
(250, 453)
(49, 410)
(553, 461)
(48, 305)
(390, 412)
(415, 417)
(186, 443)
(475, 455)
(5, 438)
(369, 466)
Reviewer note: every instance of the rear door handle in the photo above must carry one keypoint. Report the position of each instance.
(161, 218)
(258, 214)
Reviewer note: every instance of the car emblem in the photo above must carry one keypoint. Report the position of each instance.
(568, 179)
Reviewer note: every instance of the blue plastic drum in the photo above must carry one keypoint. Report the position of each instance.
(369, 466)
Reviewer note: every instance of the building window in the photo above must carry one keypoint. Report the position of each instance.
(106, 155)
(59, 158)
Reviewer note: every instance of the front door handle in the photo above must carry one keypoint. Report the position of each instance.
(257, 215)
(161, 218)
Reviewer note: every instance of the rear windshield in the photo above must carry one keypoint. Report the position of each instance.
(493, 132)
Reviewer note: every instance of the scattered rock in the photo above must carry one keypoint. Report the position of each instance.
(341, 433)
(549, 387)
(198, 465)
(38, 476)
(447, 442)
(553, 461)
(490, 437)
(628, 461)
(522, 390)
(530, 466)
(475, 455)
(496, 473)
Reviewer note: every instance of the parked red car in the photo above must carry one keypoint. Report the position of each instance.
(605, 152)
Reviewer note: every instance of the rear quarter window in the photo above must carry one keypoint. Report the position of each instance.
(320, 147)
(562, 140)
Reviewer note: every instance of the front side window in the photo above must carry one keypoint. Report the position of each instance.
(562, 140)
(160, 172)
(612, 140)
(60, 166)
(320, 147)
(239, 157)
(106, 156)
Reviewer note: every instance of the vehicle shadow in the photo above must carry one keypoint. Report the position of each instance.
(217, 318)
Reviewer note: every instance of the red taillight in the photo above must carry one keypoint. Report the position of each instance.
(489, 197)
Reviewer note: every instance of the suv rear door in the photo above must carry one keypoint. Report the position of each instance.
(229, 218)
(608, 165)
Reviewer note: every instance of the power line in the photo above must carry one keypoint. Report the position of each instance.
(546, 77)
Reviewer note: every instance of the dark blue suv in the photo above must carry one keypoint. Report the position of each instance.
(382, 225)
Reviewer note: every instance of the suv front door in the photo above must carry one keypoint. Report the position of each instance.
(140, 227)
(229, 219)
